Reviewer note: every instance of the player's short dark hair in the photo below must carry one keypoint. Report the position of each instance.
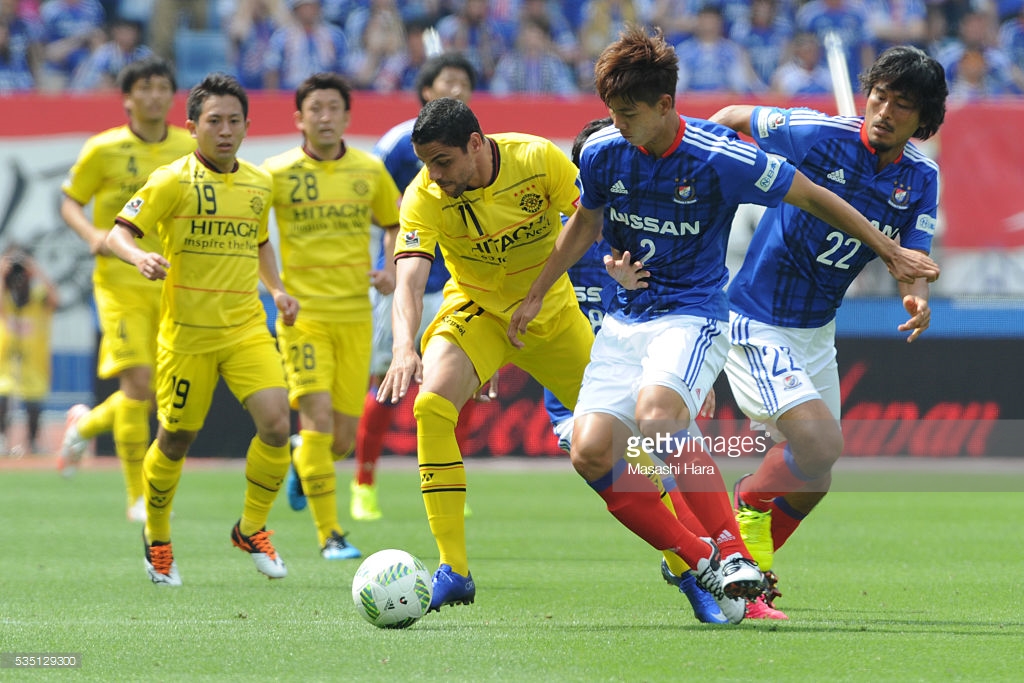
(217, 83)
(447, 121)
(433, 67)
(638, 67)
(144, 68)
(584, 135)
(323, 81)
(916, 76)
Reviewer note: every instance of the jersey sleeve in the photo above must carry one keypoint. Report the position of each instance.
(765, 182)
(419, 213)
(86, 175)
(773, 131)
(385, 201)
(153, 203)
(921, 233)
(592, 194)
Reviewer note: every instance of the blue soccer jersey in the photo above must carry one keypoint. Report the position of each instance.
(395, 150)
(798, 267)
(589, 278)
(675, 212)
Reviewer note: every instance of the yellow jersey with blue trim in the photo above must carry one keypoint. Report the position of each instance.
(110, 169)
(210, 225)
(323, 210)
(496, 239)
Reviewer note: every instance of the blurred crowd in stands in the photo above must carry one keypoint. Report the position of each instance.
(518, 46)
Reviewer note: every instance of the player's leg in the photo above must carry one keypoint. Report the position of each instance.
(376, 417)
(131, 433)
(252, 371)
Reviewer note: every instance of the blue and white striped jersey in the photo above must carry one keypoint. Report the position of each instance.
(798, 267)
(675, 212)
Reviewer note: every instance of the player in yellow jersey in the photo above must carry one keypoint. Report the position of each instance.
(492, 203)
(210, 211)
(325, 195)
(28, 299)
(111, 167)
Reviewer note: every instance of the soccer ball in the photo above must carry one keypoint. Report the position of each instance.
(391, 589)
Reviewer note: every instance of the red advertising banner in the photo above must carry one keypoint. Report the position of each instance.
(982, 164)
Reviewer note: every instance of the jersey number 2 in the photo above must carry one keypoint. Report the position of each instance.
(839, 239)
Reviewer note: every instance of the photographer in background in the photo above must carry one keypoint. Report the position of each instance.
(27, 301)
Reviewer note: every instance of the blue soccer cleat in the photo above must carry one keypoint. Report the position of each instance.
(705, 607)
(292, 484)
(337, 548)
(451, 588)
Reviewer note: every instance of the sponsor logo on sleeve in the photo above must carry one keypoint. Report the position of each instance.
(132, 208)
(771, 172)
(926, 224)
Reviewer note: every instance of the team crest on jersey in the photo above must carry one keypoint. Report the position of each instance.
(790, 382)
(900, 197)
(131, 209)
(256, 204)
(531, 202)
(360, 187)
(686, 192)
(412, 239)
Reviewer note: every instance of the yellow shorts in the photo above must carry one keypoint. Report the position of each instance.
(129, 321)
(328, 357)
(556, 354)
(185, 381)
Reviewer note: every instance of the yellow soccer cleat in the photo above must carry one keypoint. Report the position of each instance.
(756, 531)
(363, 506)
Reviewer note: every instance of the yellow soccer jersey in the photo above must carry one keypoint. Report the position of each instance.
(25, 345)
(323, 211)
(111, 167)
(495, 240)
(210, 226)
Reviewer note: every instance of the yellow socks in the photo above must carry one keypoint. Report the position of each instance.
(265, 468)
(161, 476)
(131, 437)
(314, 463)
(100, 419)
(442, 477)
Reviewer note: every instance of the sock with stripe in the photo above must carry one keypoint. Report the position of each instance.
(99, 420)
(265, 469)
(373, 427)
(131, 439)
(785, 520)
(635, 501)
(442, 477)
(161, 476)
(315, 466)
(778, 475)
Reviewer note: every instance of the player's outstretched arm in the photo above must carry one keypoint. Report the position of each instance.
(905, 265)
(915, 301)
(580, 231)
(406, 367)
(735, 116)
(287, 305)
(120, 241)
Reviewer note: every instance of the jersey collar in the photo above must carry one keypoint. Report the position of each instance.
(864, 140)
(311, 155)
(675, 143)
(210, 166)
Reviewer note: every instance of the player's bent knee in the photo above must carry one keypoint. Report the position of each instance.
(430, 406)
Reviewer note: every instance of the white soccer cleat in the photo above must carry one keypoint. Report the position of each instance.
(741, 578)
(261, 550)
(709, 575)
(160, 564)
(73, 446)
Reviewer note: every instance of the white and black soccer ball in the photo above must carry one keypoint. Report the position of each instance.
(391, 589)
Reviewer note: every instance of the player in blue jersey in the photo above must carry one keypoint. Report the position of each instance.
(667, 187)
(782, 364)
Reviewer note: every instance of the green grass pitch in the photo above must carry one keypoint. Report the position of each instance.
(878, 586)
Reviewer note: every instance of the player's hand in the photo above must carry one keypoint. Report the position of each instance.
(406, 368)
(908, 265)
(920, 316)
(152, 265)
(628, 273)
(288, 307)
(488, 392)
(708, 408)
(521, 317)
(383, 281)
